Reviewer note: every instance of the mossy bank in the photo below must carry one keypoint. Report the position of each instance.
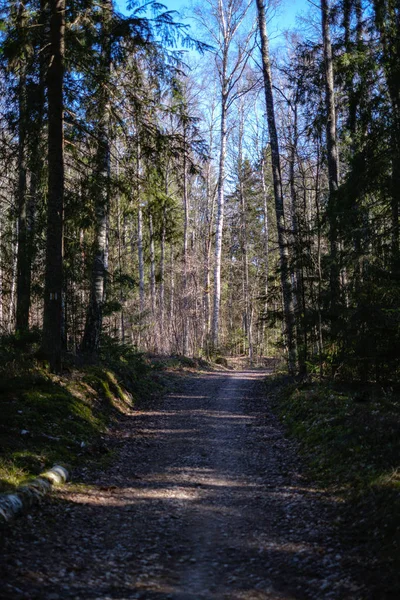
(349, 438)
(48, 419)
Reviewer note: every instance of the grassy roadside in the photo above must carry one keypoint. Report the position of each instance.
(350, 440)
(47, 419)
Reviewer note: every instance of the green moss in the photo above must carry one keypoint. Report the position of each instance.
(350, 441)
(349, 438)
(47, 419)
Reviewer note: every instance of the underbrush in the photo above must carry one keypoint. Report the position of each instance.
(178, 363)
(350, 438)
(47, 419)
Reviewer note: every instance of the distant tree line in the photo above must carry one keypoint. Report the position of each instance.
(248, 205)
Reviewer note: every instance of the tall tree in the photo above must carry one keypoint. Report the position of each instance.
(23, 254)
(101, 187)
(224, 22)
(286, 281)
(387, 20)
(333, 161)
(53, 300)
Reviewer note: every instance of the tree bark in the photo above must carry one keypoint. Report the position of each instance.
(333, 164)
(13, 287)
(244, 241)
(229, 16)
(297, 243)
(185, 312)
(162, 277)
(23, 254)
(1, 276)
(30, 159)
(101, 192)
(220, 223)
(52, 316)
(152, 266)
(266, 249)
(287, 289)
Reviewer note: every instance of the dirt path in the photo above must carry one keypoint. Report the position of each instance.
(205, 501)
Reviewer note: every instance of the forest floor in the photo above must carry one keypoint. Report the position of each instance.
(205, 500)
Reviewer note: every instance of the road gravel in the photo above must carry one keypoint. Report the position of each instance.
(205, 501)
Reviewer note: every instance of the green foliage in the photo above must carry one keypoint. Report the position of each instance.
(15, 346)
(131, 368)
(349, 433)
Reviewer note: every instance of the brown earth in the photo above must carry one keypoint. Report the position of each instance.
(205, 500)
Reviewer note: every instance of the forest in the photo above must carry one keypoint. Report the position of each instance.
(200, 299)
(245, 201)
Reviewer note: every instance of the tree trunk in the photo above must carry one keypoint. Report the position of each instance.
(333, 164)
(121, 236)
(162, 280)
(244, 241)
(185, 312)
(52, 316)
(287, 289)
(319, 265)
(210, 199)
(94, 317)
(209, 219)
(172, 294)
(266, 248)
(297, 242)
(152, 267)
(1, 277)
(30, 159)
(220, 224)
(23, 255)
(140, 258)
(11, 309)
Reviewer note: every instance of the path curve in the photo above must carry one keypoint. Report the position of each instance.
(205, 502)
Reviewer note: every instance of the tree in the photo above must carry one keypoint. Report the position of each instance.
(224, 22)
(53, 295)
(287, 289)
(333, 162)
(101, 187)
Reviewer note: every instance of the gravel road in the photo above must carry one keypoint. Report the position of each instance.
(205, 500)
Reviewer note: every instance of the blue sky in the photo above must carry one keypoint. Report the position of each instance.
(285, 18)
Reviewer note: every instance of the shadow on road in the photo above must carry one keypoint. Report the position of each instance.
(205, 500)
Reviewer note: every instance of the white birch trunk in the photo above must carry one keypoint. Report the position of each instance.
(11, 310)
(219, 225)
(140, 258)
(152, 267)
(162, 285)
(185, 333)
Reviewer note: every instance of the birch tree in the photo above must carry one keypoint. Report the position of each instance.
(227, 28)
